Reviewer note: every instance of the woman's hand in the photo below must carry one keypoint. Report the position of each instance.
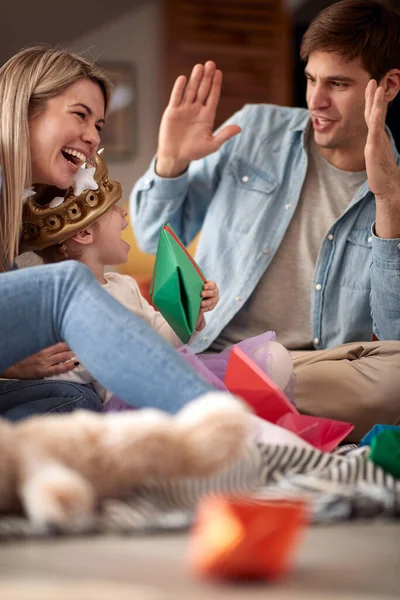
(210, 295)
(54, 360)
(186, 130)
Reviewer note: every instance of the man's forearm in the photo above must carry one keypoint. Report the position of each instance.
(388, 212)
(385, 286)
(170, 167)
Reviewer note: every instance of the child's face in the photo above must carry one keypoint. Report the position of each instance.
(111, 249)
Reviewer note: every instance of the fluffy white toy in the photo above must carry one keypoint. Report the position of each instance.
(57, 469)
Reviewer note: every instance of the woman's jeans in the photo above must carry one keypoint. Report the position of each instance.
(40, 306)
(22, 398)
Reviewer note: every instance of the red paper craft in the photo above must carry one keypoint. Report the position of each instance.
(233, 540)
(245, 379)
(324, 434)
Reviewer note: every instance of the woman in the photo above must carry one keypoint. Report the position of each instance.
(53, 106)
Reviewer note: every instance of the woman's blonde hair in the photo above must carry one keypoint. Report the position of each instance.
(27, 81)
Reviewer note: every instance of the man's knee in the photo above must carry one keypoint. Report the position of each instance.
(386, 395)
(363, 391)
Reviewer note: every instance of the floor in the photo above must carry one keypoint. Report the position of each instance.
(350, 561)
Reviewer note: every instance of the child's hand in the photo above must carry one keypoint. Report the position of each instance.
(210, 295)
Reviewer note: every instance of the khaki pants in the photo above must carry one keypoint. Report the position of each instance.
(357, 382)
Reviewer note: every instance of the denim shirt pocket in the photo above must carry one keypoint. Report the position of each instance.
(357, 260)
(251, 191)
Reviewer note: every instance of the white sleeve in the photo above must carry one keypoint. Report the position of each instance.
(125, 289)
(78, 375)
(155, 319)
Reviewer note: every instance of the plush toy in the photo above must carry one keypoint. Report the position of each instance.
(57, 469)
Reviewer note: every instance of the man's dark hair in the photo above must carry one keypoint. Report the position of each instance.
(365, 29)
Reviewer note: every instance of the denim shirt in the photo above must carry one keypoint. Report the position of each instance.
(243, 198)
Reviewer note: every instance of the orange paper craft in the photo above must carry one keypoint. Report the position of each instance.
(245, 540)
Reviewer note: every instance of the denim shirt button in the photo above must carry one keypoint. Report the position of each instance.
(316, 341)
(205, 339)
(238, 298)
(318, 287)
(330, 237)
(370, 239)
(287, 206)
(266, 251)
(245, 179)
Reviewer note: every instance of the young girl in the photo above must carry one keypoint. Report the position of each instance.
(87, 227)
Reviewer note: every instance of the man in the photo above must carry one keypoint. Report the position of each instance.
(300, 213)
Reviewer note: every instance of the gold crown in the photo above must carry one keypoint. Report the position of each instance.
(46, 223)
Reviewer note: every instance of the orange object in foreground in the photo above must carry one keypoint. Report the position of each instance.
(244, 539)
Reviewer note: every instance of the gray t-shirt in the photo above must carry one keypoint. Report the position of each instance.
(281, 300)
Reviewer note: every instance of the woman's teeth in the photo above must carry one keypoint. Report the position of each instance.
(74, 156)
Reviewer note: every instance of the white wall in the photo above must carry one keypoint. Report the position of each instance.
(134, 37)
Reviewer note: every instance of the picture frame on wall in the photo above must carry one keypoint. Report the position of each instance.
(119, 134)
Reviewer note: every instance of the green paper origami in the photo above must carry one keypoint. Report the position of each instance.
(385, 451)
(176, 284)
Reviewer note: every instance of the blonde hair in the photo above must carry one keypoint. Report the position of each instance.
(27, 81)
(54, 254)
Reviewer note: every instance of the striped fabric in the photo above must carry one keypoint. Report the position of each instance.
(338, 486)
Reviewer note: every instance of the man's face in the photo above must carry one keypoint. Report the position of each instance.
(336, 100)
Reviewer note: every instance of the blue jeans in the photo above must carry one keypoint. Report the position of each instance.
(40, 306)
(22, 398)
